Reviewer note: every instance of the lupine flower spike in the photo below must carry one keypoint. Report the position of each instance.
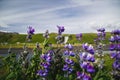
(30, 32)
(115, 53)
(60, 38)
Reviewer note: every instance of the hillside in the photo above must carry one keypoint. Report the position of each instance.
(15, 37)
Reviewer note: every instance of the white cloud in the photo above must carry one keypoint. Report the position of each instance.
(82, 2)
(35, 12)
(3, 24)
(88, 15)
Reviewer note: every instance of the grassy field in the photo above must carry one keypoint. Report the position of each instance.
(14, 38)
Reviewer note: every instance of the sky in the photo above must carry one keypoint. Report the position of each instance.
(77, 16)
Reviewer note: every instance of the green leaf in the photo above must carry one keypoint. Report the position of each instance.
(11, 76)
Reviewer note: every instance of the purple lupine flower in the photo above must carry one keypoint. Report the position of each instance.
(30, 33)
(83, 55)
(86, 77)
(85, 46)
(118, 56)
(116, 65)
(30, 30)
(115, 47)
(60, 29)
(101, 30)
(43, 56)
(112, 39)
(79, 36)
(99, 46)
(70, 70)
(79, 75)
(98, 34)
(42, 73)
(113, 55)
(49, 59)
(69, 61)
(90, 49)
(103, 34)
(90, 69)
(112, 47)
(86, 59)
(45, 65)
(115, 38)
(115, 32)
(66, 52)
(69, 46)
(83, 76)
(71, 53)
(118, 37)
(84, 64)
(60, 38)
(90, 58)
(65, 67)
(50, 53)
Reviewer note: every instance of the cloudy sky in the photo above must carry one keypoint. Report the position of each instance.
(78, 16)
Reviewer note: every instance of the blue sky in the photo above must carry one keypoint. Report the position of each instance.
(78, 16)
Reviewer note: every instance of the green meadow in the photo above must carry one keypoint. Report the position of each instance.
(11, 38)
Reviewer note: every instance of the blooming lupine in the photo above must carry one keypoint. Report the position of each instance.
(79, 36)
(43, 73)
(99, 46)
(68, 67)
(86, 62)
(45, 63)
(60, 38)
(60, 29)
(69, 63)
(69, 51)
(30, 32)
(115, 53)
(101, 33)
(83, 76)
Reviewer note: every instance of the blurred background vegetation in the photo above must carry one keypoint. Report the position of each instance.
(15, 37)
